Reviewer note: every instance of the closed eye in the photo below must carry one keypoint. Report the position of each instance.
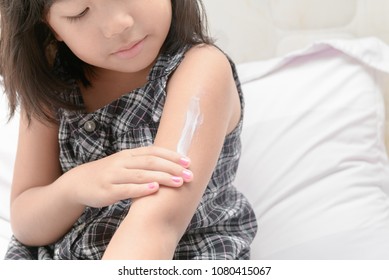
(79, 16)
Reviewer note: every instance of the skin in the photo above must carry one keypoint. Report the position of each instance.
(100, 33)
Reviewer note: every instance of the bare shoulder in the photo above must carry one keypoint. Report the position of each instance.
(209, 51)
(208, 58)
(205, 68)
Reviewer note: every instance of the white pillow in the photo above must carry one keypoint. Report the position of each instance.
(8, 140)
(313, 162)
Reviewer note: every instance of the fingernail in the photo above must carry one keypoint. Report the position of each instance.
(152, 186)
(176, 179)
(184, 161)
(187, 175)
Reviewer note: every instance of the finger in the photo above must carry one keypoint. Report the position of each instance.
(125, 191)
(161, 153)
(154, 163)
(139, 176)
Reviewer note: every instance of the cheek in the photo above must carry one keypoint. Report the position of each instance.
(74, 37)
(83, 48)
(164, 23)
(163, 13)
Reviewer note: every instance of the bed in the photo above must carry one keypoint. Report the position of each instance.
(314, 165)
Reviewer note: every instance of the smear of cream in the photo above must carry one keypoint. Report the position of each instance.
(193, 120)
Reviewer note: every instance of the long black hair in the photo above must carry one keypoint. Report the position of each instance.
(28, 46)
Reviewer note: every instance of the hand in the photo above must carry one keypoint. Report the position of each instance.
(127, 174)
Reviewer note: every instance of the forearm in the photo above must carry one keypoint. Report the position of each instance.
(155, 224)
(144, 236)
(38, 220)
(143, 241)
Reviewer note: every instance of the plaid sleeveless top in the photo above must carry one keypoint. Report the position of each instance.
(224, 223)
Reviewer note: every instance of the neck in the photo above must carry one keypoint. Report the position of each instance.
(108, 86)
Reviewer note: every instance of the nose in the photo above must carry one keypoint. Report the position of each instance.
(116, 22)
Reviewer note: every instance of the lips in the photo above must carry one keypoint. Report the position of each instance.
(131, 49)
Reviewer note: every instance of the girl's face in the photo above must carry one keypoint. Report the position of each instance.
(119, 35)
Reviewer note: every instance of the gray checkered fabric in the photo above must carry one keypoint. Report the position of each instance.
(223, 225)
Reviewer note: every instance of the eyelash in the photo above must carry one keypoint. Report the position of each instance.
(79, 16)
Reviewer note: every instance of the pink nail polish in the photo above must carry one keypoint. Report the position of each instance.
(187, 175)
(176, 179)
(184, 161)
(152, 186)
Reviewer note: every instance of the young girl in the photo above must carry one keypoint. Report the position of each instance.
(106, 90)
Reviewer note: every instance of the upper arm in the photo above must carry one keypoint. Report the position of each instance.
(205, 73)
(37, 157)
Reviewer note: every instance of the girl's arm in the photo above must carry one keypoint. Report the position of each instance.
(45, 203)
(39, 211)
(155, 224)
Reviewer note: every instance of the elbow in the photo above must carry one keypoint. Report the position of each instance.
(22, 234)
(28, 234)
(27, 238)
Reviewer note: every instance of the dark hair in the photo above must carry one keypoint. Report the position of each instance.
(27, 48)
